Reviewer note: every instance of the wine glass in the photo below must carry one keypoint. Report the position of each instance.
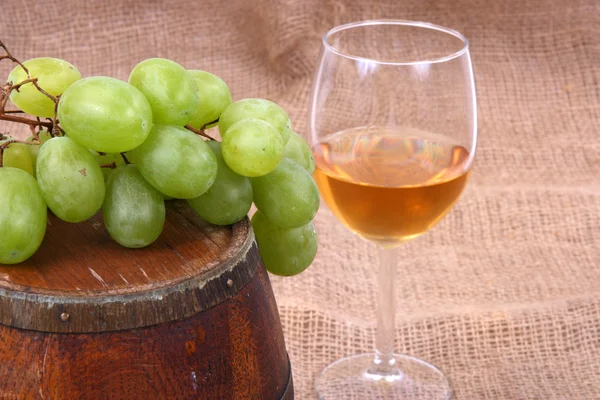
(393, 129)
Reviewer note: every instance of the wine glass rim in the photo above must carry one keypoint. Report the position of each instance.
(418, 24)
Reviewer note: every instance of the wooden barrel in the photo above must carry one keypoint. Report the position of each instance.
(192, 316)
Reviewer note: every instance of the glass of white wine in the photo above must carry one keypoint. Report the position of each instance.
(393, 129)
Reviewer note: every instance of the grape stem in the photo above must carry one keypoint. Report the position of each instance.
(124, 159)
(111, 165)
(8, 142)
(30, 79)
(6, 90)
(34, 133)
(202, 131)
(56, 129)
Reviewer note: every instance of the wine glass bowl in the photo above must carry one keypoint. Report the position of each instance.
(393, 129)
(396, 74)
(394, 184)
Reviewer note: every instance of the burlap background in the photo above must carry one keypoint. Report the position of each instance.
(504, 295)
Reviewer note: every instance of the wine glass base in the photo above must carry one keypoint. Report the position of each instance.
(411, 379)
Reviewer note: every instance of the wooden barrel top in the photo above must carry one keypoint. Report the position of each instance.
(80, 280)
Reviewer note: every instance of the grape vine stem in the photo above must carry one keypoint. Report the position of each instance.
(125, 159)
(6, 90)
(9, 56)
(8, 142)
(202, 131)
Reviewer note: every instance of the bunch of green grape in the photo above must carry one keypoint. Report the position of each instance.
(146, 130)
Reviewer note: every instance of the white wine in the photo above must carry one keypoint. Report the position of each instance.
(387, 185)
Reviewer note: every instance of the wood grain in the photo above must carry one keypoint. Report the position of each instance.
(81, 260)
(192, 267)
(191, 317)
(233, 351)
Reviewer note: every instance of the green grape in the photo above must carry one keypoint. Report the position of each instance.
(105, 114)
(107, 158)
(133, 211)
(22, 216)
(70, 179)
(17, 155)
(284, 252)
(54, 76)
(256, 108)
(34, 149)
(214, 98)
(297, 150)
(288, 196)
(44, 136)
(170, 89)
(176, 162)
(229, 198)
(252, 147)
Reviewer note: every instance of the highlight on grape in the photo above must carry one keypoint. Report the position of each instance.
(124, 148)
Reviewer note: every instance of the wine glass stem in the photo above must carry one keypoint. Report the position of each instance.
(384, 362)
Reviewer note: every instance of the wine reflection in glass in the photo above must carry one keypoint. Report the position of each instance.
(393, 128)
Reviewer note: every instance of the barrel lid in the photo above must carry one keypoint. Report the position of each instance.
(80, 280)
